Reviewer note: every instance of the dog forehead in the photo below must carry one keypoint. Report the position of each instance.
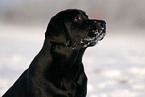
(70, 14)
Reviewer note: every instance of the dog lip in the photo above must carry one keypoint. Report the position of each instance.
(100, 36)
(97, 32)
(91, 41)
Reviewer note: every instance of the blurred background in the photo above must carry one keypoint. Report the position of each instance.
(115, 66)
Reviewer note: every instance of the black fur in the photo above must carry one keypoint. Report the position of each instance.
(57, 71)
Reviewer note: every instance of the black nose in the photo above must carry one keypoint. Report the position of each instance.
(101, 23)
(96, 27)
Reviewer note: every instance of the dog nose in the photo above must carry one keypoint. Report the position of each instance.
(96, 27)
(101, 23)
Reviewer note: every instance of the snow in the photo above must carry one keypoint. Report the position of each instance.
(115, 66)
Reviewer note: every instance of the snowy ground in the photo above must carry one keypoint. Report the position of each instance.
(115, 66)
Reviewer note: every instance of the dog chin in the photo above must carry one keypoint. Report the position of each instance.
(89, 42)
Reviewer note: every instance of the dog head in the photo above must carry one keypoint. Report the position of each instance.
(73, 28)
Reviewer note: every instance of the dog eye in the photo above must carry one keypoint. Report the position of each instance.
(77, 19)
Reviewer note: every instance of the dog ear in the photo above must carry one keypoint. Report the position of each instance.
(57, 32)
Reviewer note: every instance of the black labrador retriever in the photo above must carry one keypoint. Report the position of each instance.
(57, 71)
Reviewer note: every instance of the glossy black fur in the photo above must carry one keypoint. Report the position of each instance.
(57, 71)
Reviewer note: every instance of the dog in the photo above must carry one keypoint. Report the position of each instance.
(57, 70)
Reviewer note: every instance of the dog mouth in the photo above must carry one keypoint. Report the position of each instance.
(95, 35)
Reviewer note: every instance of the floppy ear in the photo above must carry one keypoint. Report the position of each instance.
(57, 32)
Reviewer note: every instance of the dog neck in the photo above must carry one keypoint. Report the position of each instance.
(59, 56)
(66, 54)
(42, 60)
